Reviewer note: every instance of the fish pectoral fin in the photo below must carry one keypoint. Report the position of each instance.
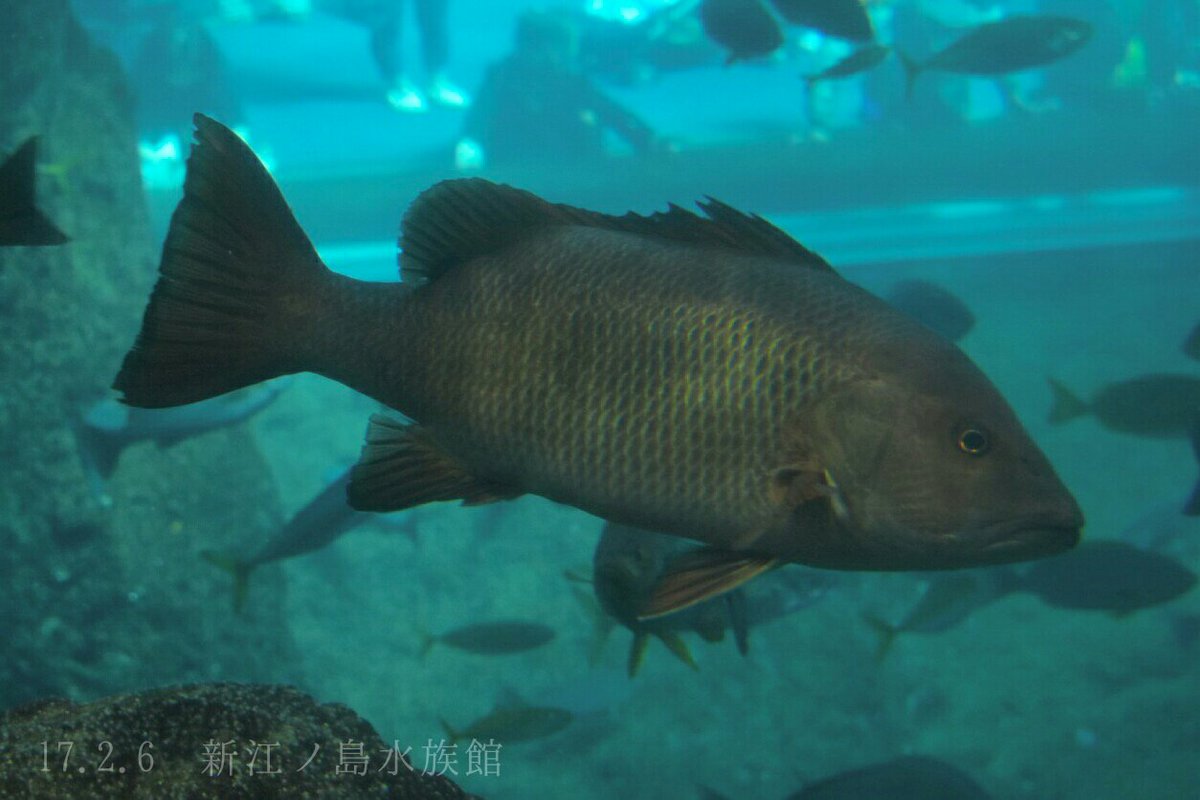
(702, 574)
(402, 466)
(797, 484)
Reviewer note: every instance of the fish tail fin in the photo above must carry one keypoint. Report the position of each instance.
(887, 633)
(238, 569)
(428, 640)
(637, 652)
(1067, 405)
(237, 282)
(1192, 507)
(451, 734)
(24, 224)
(912, 69)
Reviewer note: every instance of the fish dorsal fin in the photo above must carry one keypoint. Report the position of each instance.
(457, 220)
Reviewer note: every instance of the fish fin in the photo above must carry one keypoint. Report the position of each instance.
(237, 276)
(577, 576)
(1067, 405)
(887, 635)
(21, 223)
(702, 574)
(739, 619)
(794, 485)
(451, 734)
(1192, 507)
(457, 220)
(238, 569)
(428, 640)
(637, 652)
(403, 466)
(678, 648)
(912, 69)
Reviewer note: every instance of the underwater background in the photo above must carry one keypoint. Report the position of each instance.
(1060, 204)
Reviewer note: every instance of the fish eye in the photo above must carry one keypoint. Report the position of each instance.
(973, 441)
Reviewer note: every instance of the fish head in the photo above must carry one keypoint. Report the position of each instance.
(929, 468)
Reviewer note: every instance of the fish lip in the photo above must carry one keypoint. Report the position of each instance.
(1034, 537)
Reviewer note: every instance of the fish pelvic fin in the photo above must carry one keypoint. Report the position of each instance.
(678, 648)
(402, 466)
(1067, 405)
(21, 223)
(637, 652)
(912, 69)
(237, 283)
(702, 574)
(238, 569)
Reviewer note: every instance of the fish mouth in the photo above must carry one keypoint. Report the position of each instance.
(1022, 540)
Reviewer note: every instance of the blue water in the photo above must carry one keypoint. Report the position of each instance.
(1088, 275)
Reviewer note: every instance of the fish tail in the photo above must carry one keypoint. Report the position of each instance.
(238, 569)
(24, 224)
(912, 69)
(428, 640)
(451, 734)
(887, 635)
(1192, 507)
(1067, 405)
(235, 284)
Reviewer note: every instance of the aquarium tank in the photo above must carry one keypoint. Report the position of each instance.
(600, 399)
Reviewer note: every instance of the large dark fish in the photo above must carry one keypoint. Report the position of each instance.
(1009, 45)
(1150, 405)
(500, 637)
(703, 376)
(934, 306)
(743, 27)
(21, 223)
(904, 778)
(1108, 576)
(845, 19)
(106, 427)
(864, 58)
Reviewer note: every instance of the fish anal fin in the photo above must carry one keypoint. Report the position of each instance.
(702, 574)
(402, 466)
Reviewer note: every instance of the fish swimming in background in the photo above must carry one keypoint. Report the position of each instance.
(844, 19)
(933, 306)
(864, 58)
(1160, 405)
(627, 565)
(948, 599)
(1191, 508)
(1017, 43)
(106, 427)
(21, 223)
(625, 569)
(1107, 576)
(702, 376)
(500, 637)
(321, 521)
(513, 723)
(743, 27)
(1191, 345)
(904, 778)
